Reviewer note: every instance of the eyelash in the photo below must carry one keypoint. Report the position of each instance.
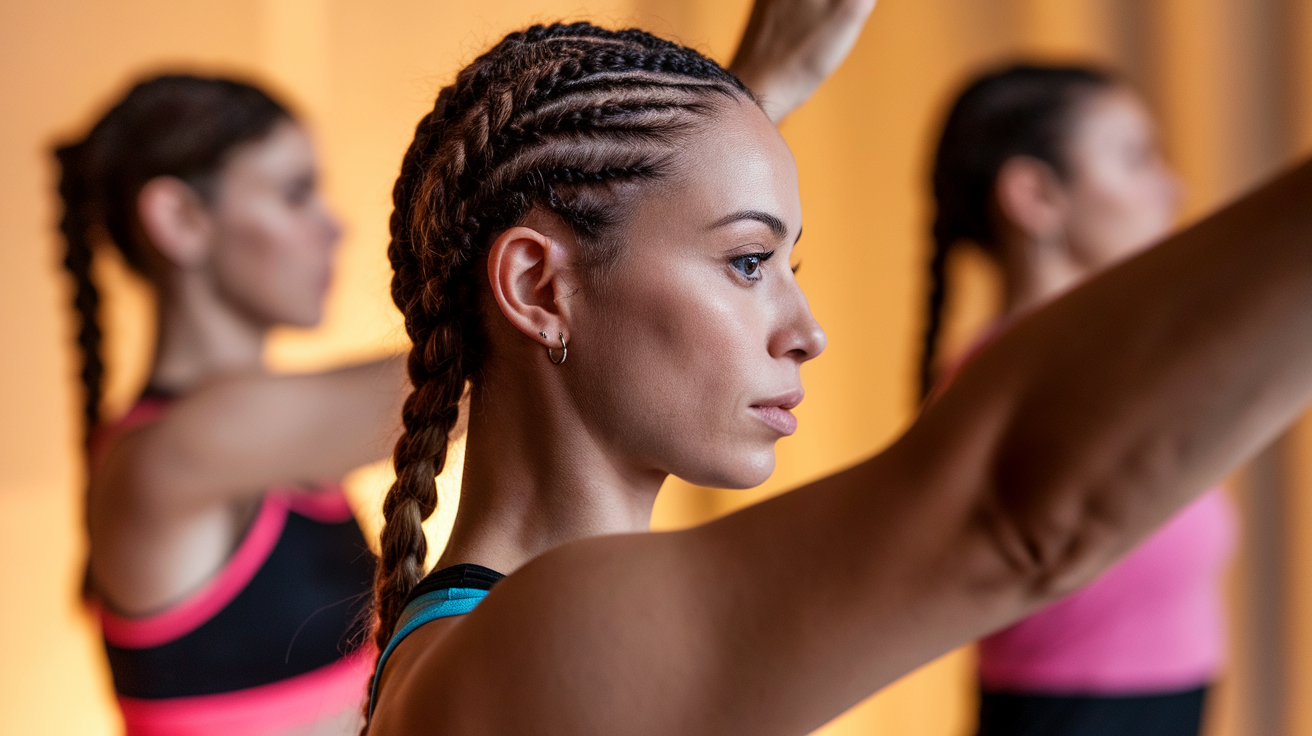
(760, 259)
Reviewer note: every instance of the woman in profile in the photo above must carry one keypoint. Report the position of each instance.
(1055, 174)
(229, 574)
(227, 569)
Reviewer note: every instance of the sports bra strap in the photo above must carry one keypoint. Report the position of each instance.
(429, 603)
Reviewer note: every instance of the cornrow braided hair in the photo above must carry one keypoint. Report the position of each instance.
(560, 117)
(174, 125)
(1022, 110)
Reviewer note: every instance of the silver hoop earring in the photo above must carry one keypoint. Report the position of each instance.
(564, 351)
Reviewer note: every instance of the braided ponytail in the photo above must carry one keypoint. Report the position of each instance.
(75, 224)
(174, 125)
(1021, 110)
(560, 117)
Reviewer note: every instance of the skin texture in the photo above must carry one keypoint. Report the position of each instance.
(1045, 460)
(169, 502)
(1116, 197)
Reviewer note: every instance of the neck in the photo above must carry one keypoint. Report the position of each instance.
(1036, 273)
(535, 479)
(201, 336)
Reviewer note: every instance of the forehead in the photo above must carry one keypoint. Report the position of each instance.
(737, 161)
(1111, 115)
(285, 151)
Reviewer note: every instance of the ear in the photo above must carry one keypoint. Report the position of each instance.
(1031, 198)
(175, 220)
(528, 272)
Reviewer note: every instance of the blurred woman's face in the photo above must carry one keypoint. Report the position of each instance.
(684, 355)
(274, 237)
(1122, 195)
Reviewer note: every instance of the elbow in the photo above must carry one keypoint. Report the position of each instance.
(1051, 550)
(1059, 524)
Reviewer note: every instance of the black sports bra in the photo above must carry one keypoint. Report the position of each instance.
(277, 634)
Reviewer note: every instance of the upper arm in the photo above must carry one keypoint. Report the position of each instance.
(241, 435)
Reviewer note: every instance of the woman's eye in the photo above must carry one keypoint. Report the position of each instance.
(298, 196)
(750, 265)
(299, 191)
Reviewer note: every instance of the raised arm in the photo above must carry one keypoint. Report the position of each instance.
(241, 435)
(1058, 448)
(791, 46)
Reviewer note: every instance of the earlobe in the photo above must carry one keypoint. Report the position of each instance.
(526, 269)
(175, 221)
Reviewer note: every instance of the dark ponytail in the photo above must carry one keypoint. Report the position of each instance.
(1018, 111)
(176, 125)
(78, 256)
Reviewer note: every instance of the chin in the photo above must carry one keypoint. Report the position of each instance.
(305, 319)
(747, 470)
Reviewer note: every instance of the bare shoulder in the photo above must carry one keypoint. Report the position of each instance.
(563, 645)
(412, 690)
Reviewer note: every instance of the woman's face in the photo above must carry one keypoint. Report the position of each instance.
(686, 352)
(1122, 196)
(273, 235)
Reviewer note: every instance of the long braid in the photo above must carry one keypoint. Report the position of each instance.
(75, 224)
(1021, 110)
(555, 117)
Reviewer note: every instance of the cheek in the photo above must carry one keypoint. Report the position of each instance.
(1118, 216)
(268, 261)
(667, 375)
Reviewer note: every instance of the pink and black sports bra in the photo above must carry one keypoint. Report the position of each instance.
(273, 641)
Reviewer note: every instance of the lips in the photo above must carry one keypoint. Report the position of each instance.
(777, 418)
(775, 412)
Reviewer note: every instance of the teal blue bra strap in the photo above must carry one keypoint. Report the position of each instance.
(425, 608)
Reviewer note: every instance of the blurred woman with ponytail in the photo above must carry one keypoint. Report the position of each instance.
(1054, 173)
(228, 572)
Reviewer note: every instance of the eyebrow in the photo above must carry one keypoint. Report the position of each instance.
(777, 226)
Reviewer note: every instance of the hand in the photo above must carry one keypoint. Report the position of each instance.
(791, 46)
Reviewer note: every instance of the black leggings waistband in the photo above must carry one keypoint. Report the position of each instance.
(1024, 714)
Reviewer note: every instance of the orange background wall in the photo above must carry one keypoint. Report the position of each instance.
(364, 71)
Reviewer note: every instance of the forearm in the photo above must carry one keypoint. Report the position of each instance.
(372, 397)
(791, 46)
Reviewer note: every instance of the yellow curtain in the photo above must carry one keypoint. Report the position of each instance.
(1229, 78)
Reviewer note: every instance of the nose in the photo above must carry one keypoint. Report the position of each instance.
(798, 334)
(332, 228)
